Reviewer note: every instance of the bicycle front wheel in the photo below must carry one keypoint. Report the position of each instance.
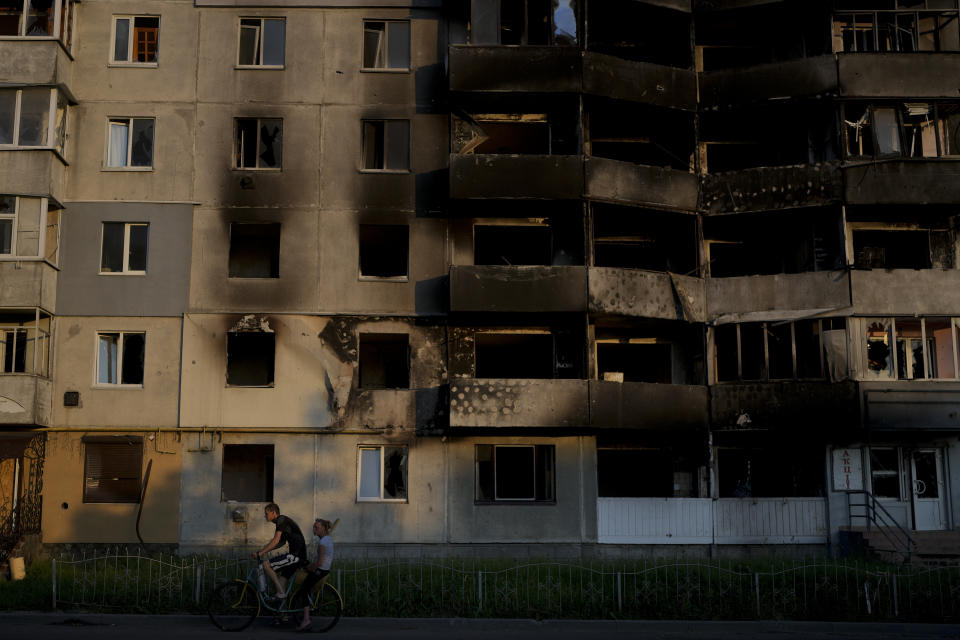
(233, 605)
(325, 607)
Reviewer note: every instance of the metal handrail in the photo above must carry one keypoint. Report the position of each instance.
(886, 523)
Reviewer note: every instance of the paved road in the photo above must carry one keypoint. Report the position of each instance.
(37, 626)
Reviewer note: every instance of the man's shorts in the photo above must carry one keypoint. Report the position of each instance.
(286, 564)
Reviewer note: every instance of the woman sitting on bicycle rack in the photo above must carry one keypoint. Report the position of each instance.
(285, 564)
(318, 570)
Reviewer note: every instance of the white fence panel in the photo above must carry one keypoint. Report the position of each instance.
(655, 520)
(770, 521)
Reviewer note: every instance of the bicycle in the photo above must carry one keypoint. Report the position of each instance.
(234, 605)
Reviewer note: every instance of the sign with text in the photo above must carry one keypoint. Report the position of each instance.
(847, 469)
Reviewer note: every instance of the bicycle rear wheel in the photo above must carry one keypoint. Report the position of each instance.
(233, 605)
(325, 607)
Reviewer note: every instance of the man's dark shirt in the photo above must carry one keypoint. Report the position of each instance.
(290, 534)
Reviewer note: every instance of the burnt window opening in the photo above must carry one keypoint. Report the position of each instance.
(254, 250)
(515, 355)
(247, 473)
(635, 361)
(384, 361)
(525, 22)
(250, 358)
(770, 473)
(512, 245)
(386, 145)
(384, 250)
(259, 143)
(802, 349)
(111, 470)
(520, 137)
(911, 348)
(515, 473)
(513, 127)
(639, 134)
(630, 238)
(639, 31)
(893, 249)
(900, 28)
(646, 473)
(901, 129)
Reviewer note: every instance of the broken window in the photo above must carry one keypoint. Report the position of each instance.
(136, 39)
(646, 473)
(386, 145)
(24, 343)
(36, 18)
(382, 474)
(885, 473)
(14, 349)
(250, 358)
(247, 474)
(25, 117)
(879, 356)
(512, 244)
(254, 250)
(384, 250)
(384, 361)
(386, 44)
(911, 363)
(640, 134)
(769, 473)
(124, 247)
(525, 22)
(514, 134)
(891, 249)
(634, 360)
(515, 473)
(262, 42)
(631, 238)
(909, 129)
(773, 350)
(901, 29)
(514, 355)
(111, 470)
(130, 142)
(925, 348)
(120, 358)
(259, 143)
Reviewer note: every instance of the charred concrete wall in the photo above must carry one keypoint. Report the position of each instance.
(730, 299)
(814, 77)
(517, 289)
(911, 406)
(630, 292)
(515, 176)
(897, 75)
(906, 292)
(615, 181)
(771, 188)
(916, 183)
(821, 408)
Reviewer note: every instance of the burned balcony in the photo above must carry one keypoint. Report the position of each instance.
(780, 296)
(549, 177)
(534, 289)
(645, 135)
(790, 407)
(814, 77)
(640, 31)
(628, 183)
(868, 74)
(772, 188)
(646, 294)
(642, 405)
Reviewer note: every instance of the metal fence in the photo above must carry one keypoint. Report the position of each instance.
(644, 589)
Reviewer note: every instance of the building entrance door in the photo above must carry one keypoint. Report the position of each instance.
(929, 501)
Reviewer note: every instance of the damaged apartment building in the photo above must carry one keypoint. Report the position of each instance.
(511, 277)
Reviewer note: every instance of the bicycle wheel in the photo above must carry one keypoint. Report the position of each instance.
(233, 605)
(325, 607)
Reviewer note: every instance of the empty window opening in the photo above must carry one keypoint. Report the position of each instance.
(769, 473)
(254, 250)
(515, 473)
(14, 349)
(512, 245)
(645, 135)
(130, 142)
(779, 350)
(528, 134)
(638, 31)
(806, 335)
(250, 358)
(752, 361)
(386, 145)
(384, 361)
(124, 247)
(893, 249)
(514, 355)
(727, 352)
(120, 358)
(262, 42)
(641, 239)
(247, 473)
(384, 250)
(382, 474)
(910, 129)
(259, 143)
(646, 473)
(904, 30)
(386, 45)
(636, 361)
(112, 469)
(136, 39)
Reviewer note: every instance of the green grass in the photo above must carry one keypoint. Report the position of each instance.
(33, 593)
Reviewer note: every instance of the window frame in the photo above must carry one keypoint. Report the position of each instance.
(44, 223)
(112, 440)
(131, 44)
(260, 65)
(53, 142)
(363, 146)
(765, 329)
(238, 153)
(477, 500)
(63, 22)
(125, 270)
(892, 372)
(129, 159)
(385, 46)
(871, 108)
(380, 479)
(836, 32)
(118, 366)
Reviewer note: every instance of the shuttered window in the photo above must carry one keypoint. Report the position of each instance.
(112, 470)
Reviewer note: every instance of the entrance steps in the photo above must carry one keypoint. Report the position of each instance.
(932, 547)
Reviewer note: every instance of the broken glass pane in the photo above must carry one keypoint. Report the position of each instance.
(398, 45)
(859, 130)
(879, 359)
(141, 154)
(34, 117)
(565, 22)
(395, 473)
(8, 108)
(271, 143)
(274, 37)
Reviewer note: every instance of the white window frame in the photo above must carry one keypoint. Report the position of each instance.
(236, 144)
(380, 448)
(891, 322)
(125, 270)
(57, 19)
(127, 167)
(260, 32)
(14, 230)
(385, 47)
(130, 62)
(118, 369)
(51, 123)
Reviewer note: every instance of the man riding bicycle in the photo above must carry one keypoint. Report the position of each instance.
(286, 565)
